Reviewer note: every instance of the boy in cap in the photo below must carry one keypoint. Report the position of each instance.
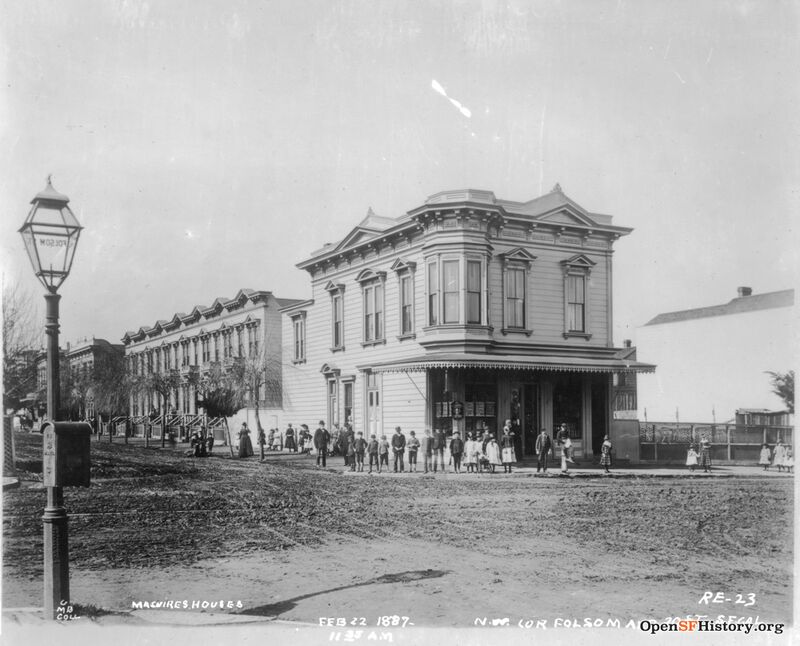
(399, 448)
(413, 447)
(372, 449)
(383, 453)
(359, 446)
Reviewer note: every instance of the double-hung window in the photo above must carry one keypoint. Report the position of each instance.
(517, 265)
(336, 290)
(577, 315)
(372, 290)
(474, 291)
(405, 276)
(450, 289)
(299, 328)
(433, 293)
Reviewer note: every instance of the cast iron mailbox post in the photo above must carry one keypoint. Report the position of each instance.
(65, 463)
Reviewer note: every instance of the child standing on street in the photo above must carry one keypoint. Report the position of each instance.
(413, 446)
(359, 446)
(372, 450)
(383, 452)
(469, 453)
(765, 458)
(691, 457)
(493, 453)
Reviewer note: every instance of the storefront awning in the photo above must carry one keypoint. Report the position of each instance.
(511, 362)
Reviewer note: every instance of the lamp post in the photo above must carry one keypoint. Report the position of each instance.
(50, 234)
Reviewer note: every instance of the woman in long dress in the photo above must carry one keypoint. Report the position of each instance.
(290, 442)
(605, 454)
(470, 459)
(705, 454)
(779, 456)
(493, 453)
(507, 452)
(245, 445)
(765, 458)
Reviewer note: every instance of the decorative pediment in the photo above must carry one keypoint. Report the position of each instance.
(366, 275)
(579, 261)
(329, 370)
(333, 287)
(401, 264)
(568, 216)
(518, 254)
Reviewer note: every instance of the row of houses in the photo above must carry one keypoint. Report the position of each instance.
(462, 313)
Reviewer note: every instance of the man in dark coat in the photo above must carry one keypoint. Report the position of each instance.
(321, 439)
(439, 442)
(399, 448)
(543, 446)
(456, 450)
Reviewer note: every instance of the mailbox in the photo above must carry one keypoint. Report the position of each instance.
(66, 454)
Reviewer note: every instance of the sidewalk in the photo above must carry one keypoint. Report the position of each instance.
(525, 470)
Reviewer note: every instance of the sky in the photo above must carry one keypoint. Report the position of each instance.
(208, 146)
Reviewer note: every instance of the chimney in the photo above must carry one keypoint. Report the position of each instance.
(744, 291)
(627, 343)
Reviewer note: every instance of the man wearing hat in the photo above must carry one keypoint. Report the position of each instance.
(543, 446)
(399, 448)
(321, 439)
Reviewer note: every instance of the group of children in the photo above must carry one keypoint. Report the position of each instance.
(438, 452)
(782, 457)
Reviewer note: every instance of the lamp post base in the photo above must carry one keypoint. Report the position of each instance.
(56, 553)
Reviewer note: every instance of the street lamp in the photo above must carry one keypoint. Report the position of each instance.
(50, 234)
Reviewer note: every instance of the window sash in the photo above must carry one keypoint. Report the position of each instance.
(451, 289)
(433, 293)
(406, 298)
(337, 321)
(515, 298)
(576, 304)
(473, 291)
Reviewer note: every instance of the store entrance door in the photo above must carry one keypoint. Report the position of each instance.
(529, 419)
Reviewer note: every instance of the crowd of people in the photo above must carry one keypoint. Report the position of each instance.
(431, 452)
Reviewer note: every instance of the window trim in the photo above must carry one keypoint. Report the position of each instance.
(462, 259)
(406, 270)
(517, 259)
(299, 320)
(336, 290)
(579, 266)
(370, 280)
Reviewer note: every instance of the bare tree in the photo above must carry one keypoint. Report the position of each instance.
(258, 378)
(112, 387)
(163, 383)
(22, 336)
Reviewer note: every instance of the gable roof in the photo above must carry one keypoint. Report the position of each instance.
(740, 305)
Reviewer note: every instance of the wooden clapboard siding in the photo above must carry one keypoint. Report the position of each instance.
(404, 401)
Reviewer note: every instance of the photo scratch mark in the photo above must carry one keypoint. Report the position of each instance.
(680, 78)
(461, 108)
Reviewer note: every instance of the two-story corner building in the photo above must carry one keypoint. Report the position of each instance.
(247, 325)
(81, 364)
(460, 314)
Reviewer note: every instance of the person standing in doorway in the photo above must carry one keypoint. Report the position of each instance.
(543, 447)
(321, 439)
(398, 448)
